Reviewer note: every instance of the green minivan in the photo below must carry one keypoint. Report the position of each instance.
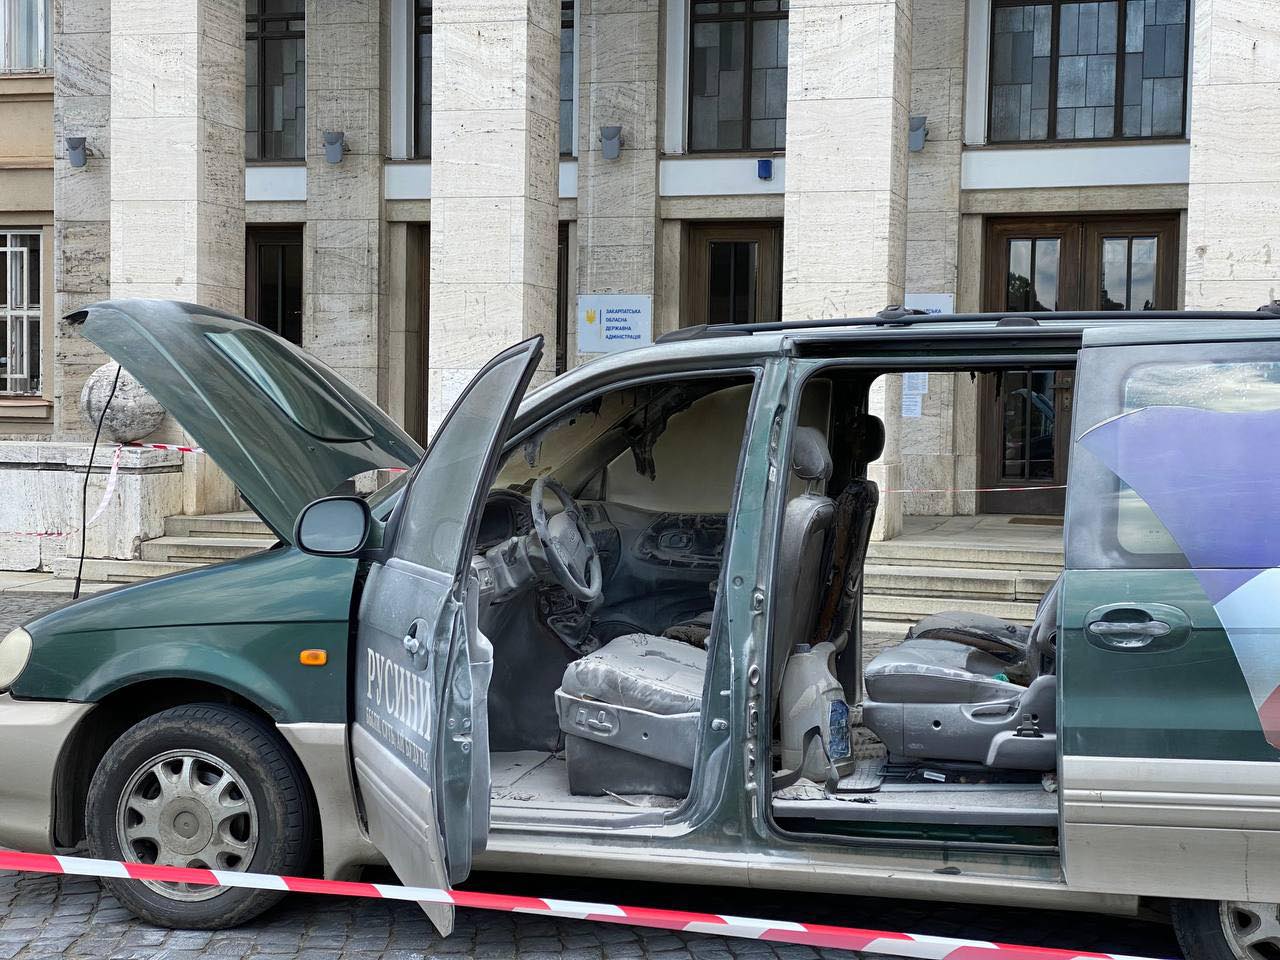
(614, 627)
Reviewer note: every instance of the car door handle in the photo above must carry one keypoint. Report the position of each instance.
(413, 644)
(1124, 636)
(1126, 627)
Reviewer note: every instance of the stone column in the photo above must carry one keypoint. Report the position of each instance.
(177, 168)
(82, 196)
(848, 88)
(345, 286)
(1233, 201)
(618, 199)
(494, 185)
(938, 447)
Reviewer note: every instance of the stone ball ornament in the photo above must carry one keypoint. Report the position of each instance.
(133, 415)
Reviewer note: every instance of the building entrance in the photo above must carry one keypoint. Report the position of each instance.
(1090, 263)
(735, 273)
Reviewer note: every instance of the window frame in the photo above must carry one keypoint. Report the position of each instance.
(416, 32)
(257, 19)
(1055, 18)
(26, 313)
(749, 17)
(44, 39)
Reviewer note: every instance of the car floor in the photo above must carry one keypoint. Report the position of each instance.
(527, 780)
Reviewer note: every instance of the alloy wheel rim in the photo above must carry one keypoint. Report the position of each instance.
(187, 808)
(1252, 930)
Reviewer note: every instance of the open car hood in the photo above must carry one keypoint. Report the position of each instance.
(283, 426)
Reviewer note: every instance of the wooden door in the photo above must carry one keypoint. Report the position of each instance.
(735, 273)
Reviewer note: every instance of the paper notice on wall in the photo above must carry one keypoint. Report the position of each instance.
(915, 384)
(912, 405)
(930, 302)
(611, 322)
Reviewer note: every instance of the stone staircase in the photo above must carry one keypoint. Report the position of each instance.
(995, 565)
(188, 542)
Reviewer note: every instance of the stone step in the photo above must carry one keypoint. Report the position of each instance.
(913, 552)
(240, 524)
(962, 583)
(900, 608)
(202, 549)
(117, 571)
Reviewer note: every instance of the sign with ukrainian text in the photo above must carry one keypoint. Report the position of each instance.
(611, 322)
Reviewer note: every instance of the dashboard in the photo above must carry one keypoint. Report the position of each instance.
(505, 515)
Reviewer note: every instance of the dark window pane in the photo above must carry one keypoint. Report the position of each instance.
(1155, 68)
(1142, 283)
(1018, 285)
(1046, 275)
(1020, 66)
(738, 76)
(1014, 426)
(1114, 294)
(275, 82)
(566, 77)
(731, 281)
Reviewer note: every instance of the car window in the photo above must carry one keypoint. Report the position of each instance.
(437, 502)
(1174, 463)
(669, 445)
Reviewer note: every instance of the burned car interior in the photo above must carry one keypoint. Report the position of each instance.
(599, 560)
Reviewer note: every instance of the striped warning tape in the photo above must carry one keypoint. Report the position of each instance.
(775, 931)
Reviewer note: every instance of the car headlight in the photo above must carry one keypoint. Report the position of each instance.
(15, 650)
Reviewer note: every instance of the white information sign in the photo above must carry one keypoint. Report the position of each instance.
(611, 322)
(912, 405)
(930, 302)
(915, 383)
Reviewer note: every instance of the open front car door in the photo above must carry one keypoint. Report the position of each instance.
(419, 731)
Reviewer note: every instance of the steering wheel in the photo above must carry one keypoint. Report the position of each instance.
(566, 540)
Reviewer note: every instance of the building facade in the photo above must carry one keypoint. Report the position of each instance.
(405, 186)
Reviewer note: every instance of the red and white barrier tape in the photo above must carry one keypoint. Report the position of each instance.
(775, 931)
(165, 446)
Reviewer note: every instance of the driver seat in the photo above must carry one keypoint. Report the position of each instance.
(630, 711)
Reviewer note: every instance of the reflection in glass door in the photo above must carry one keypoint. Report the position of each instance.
(1043, 265)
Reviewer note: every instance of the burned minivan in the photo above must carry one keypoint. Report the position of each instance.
(615, 627)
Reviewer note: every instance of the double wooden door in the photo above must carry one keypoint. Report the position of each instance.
(1093, 263)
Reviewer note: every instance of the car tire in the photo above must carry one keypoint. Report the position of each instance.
(203, 785)
(1214, 930)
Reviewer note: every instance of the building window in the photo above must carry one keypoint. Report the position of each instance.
(25, 45)
(273, 291)
(275, 80)
(1100, 70)
(738, 75)
(566, 77)
(20, 313)
(422, 79)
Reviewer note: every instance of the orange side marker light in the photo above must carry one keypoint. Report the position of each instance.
(313, 658)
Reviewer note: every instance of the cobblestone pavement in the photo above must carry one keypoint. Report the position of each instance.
(43, 917)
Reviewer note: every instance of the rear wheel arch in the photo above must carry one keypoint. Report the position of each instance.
(112, 716)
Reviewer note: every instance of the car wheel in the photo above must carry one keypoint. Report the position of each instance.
(204, 786)
(1228, 929)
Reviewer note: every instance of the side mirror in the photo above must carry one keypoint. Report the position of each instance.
(333, 527)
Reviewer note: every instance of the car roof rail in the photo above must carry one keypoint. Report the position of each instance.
(704, 331)
(896, 311)
(1017, 322)
(1271, 309)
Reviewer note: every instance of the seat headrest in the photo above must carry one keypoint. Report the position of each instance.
(810, 459)
(871, 429)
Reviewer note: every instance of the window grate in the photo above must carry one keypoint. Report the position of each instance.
(20, 262)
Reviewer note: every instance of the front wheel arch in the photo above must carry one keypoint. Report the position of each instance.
(113, 715)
